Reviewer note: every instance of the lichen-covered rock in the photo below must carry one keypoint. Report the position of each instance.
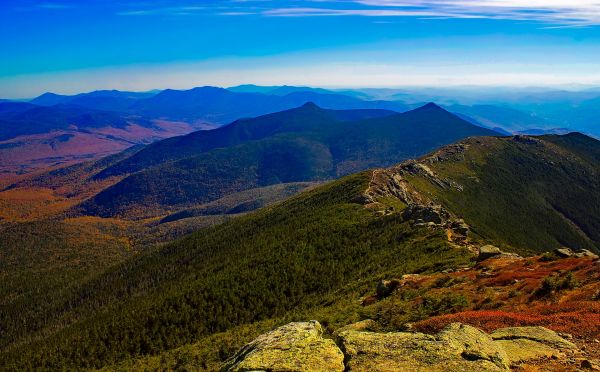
(474, 344)
(524, 350)
(363, 325)
(539, 334)
(523, 344)
(294, 347)
(488, 251)
(457, 348)
(590, 365)
(564, 252)
(586, 253)
(568, 252)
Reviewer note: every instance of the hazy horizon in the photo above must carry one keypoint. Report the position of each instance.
(491, 89)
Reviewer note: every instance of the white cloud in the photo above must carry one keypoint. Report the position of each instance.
(179, 10)
(561, 12)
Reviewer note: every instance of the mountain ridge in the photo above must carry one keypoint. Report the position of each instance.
(318, 144)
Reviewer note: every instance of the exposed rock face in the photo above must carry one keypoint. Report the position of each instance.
(420, 209)
(458, 347)
(289, 348)
(426, 213)
(490, 251)
(538, 334)
(564, 252)
(387, 182)
(367, 325)
(474, 344)
(460, 227)
(568, 252)
(588, 364)
(527, 140)
(523, 344)
(586, 253)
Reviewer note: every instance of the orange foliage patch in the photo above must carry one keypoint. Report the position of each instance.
(580, 319)
(512, 284)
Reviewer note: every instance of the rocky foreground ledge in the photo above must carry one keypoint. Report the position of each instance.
(458, 347)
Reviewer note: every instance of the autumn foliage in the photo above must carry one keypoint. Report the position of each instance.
(562, 294)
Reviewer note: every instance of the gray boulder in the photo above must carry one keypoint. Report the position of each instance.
(488, 251)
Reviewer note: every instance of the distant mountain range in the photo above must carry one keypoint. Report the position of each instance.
(53, 130)
(110, 100)
(510, 110)
(212, 105)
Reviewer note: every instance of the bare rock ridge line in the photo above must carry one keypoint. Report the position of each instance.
(420, 209)
(301, 346)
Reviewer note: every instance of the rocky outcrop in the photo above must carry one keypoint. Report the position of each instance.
(292, 347)
(490, 251)
(537, 334)
(417, 207)
(458, 347)
(453, 152)
(568, 252)
(367, 325)
(387, 182)
(426, 213)
(460, 227)
(524, 344)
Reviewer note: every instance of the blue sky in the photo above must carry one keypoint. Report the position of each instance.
(72, 46)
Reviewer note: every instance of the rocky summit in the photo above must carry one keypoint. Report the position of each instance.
(458, 347)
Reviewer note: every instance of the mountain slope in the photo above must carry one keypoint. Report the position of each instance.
(212, 175)
(308, 254)
(305, 248)
(532, 193)
(303, 144)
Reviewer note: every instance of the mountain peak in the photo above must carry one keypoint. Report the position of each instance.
(432, 106)
(48, 95)
(310, 105)
(49, 99)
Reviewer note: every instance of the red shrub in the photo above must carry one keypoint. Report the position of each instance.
(579, 319)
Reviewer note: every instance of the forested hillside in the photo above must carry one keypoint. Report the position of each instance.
(315, 254)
